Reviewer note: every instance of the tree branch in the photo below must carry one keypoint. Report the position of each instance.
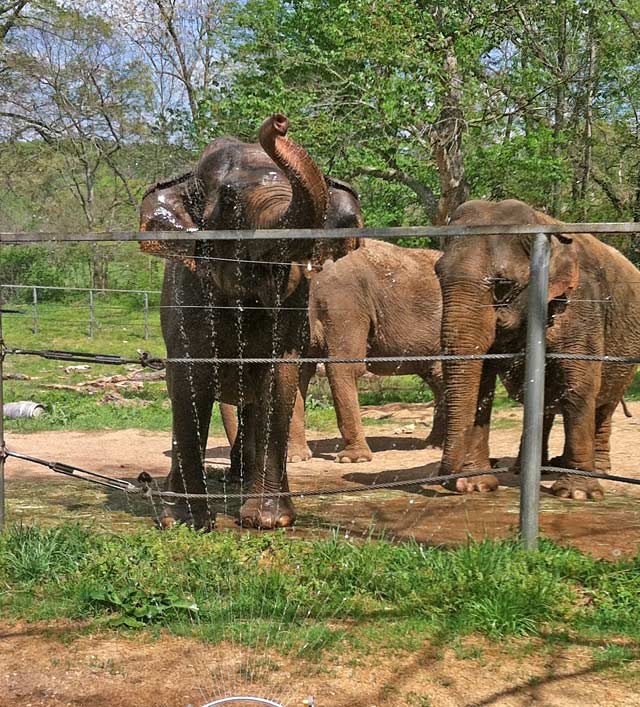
(428, 199)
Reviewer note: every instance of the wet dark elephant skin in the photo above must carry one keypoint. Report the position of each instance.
(237, 185)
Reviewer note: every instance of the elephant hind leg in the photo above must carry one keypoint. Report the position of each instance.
(439, 425)
(298, 450)
(547, 426)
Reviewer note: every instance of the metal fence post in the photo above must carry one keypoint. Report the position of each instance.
(534, 392)
(146, 315)
(91, 314)
(35, 310)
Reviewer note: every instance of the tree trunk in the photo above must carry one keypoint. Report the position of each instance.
(446, 142)
(559, 107)
(588, 122)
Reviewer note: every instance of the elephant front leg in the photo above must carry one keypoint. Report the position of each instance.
(343, 379)
(243, 451)
(265, 509)
(477, 439)
(603, 437)
(298, 449)
(192, 396)
(579, 413)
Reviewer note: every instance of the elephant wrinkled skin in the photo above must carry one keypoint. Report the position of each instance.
(380, 300)
(222, 299)
(594, 308)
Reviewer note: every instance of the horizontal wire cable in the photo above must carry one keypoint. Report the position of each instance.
(148, 492)
(591, 475)
(146, 359)
(96, 290)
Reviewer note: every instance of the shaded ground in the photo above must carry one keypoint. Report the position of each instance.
(112, 671)
(431, 514)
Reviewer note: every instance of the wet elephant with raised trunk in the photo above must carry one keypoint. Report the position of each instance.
(593, 308)
(243, 298)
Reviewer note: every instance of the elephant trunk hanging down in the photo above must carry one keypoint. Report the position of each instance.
(222, 299)
(593, 308)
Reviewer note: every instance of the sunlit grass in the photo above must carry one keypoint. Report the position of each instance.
(320, 593)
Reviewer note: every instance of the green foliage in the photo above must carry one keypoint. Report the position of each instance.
(136, 607)
(19, 266)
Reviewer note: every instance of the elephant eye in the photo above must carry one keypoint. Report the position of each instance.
(504, 290)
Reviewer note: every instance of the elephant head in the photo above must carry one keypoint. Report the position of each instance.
(484, 287)
(235, 185)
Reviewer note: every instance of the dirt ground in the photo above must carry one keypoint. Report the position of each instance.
(56, 665)
(41, 670)
(431, 514)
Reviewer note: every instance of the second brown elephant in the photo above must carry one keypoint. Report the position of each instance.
(594, 308)
(381, 300)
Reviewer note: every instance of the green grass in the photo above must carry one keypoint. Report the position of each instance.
(312, 595)
(119, 329)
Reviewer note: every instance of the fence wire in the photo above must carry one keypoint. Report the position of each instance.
(145, 359)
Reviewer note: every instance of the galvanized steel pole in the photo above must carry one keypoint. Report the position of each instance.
(534, 392)
(91, 315)
(146, 315)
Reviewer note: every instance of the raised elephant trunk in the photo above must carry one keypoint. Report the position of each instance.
(310, 195)
(462, 304)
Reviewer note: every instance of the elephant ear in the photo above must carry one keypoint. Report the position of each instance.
(168, 206)
(344, 212)
(564, 270)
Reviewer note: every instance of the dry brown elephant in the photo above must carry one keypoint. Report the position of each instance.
(380, 300)
(222, 299)
(594, 308)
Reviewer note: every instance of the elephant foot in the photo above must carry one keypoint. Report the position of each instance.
(434, 440)
(267, 513)
(603, 463)
(578, 488)
(196, 517)
(297, 453)
(355, 455)
(480, 484)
